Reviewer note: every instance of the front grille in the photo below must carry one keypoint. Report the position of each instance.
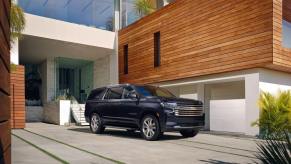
(188, 110)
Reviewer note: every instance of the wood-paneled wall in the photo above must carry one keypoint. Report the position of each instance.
(5, 137)
(199, 37)
(17, 85)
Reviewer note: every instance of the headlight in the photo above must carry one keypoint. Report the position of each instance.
(169, 107)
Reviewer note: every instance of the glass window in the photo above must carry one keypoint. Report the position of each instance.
(93, 13)
(127, 91)
(114, 93)
(125, 55)
(96, 94)
(154, 91)
(157, 50)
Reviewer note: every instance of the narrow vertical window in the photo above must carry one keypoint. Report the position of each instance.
(125, 53)
(157, 49)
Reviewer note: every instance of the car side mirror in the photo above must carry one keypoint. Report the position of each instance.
(133, 95)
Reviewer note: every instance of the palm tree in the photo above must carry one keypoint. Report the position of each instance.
(275, 113)
(17, 21)
(144, 7)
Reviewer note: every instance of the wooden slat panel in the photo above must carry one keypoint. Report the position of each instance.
(5, 134)
(199, 38)
(5, 137)
(4, 105)
(18, 98)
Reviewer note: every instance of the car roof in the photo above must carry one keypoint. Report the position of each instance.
(120, 85)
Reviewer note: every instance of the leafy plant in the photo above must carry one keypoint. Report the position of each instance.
(17, 21)
(275, 114)
(144, 7)
(275, 151)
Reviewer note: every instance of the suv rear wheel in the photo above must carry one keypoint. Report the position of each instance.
(189, 133)
(150, 128)
(96, 125)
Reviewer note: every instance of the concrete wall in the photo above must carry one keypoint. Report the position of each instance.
(47, 71)
(286, 30)
(101, 72)
(69, 32)
(34, 113)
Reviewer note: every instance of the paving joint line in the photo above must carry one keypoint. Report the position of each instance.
(80, 149)
(41, 149)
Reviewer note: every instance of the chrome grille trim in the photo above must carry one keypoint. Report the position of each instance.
(186, 110)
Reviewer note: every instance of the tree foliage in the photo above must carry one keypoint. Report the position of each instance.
(17, 21)
(144, 7)
(275, 113)
(274, 150)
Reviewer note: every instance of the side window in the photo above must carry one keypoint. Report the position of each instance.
(96, 94)
(127, 91)
(114, 93)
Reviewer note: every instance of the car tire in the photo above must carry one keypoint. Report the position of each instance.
(96, 124)
(150, 128)
(189, 133)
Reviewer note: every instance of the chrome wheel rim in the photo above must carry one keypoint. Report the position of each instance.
(95, 122)
(149, 127)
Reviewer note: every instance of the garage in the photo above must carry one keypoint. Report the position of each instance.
(224, 104)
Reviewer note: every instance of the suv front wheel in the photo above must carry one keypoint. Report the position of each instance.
(189, 133)
(150, 128)
(96, 125)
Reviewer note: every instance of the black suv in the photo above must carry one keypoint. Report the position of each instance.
(152, 110)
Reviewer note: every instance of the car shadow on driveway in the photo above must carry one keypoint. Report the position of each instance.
(125, 134)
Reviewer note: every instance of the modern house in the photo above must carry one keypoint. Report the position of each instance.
(221, 52)
(68, 47)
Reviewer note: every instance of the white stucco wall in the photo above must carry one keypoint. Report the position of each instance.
(286, 34)
(274, 81)
(69, 32)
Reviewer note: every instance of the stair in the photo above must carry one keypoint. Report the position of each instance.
(78, 111)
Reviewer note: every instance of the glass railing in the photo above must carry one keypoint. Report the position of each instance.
(286, 34)
(93, 13)
(130, 12)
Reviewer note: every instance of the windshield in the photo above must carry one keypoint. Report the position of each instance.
(154, 91)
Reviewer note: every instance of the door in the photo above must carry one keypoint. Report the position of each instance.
(112, 100)
(130, 107)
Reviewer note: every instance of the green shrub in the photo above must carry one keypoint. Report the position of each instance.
(275, 114)
(275, 150)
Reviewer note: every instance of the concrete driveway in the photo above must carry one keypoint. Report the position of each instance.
(75, 144)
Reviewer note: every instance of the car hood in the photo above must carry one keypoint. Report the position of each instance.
(177, 100)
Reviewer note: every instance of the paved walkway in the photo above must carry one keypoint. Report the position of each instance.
(78, 145)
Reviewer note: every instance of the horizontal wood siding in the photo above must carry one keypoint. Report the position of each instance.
(5, 136)
(17, 98)
(198, 37)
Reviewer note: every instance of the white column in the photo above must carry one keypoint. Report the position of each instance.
(252, 94)
(14, 52)
(113, 59)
